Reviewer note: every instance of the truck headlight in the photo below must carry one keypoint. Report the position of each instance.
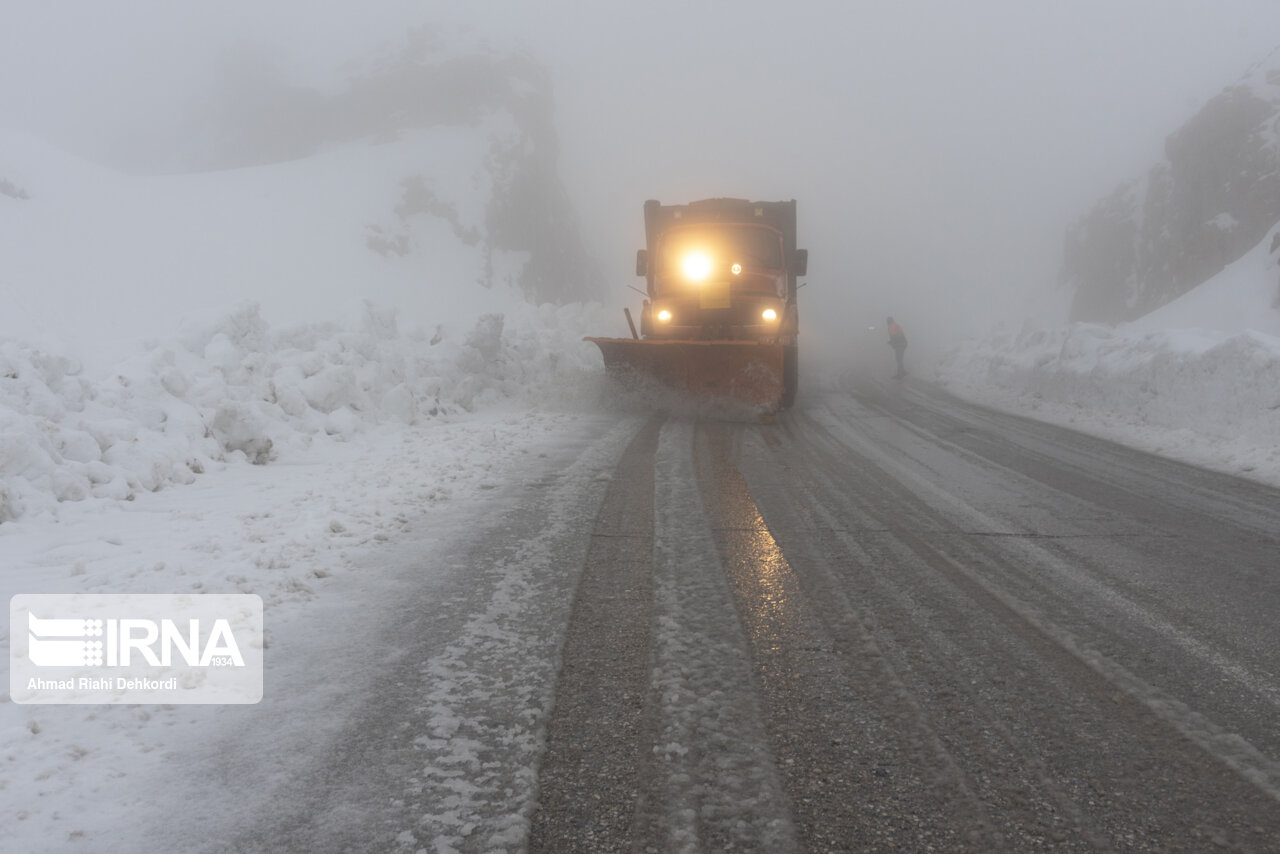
(664, 316)
(736, 269)
(696, 266)
(769, 315)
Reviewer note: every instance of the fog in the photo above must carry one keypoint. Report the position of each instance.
(938, 150)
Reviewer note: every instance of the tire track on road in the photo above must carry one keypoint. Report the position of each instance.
(1060, 753)
(717, 787)
(589, 780)
(656, 741)
(860, 762)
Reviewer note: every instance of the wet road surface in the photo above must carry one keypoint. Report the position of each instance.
(887, 621)
(891, 621)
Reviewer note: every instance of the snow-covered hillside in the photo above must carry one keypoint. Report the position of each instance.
(1197, 379)
(157, 327)
(92, 254)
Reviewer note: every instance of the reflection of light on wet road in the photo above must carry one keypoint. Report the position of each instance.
(771, 571)
(765, 583)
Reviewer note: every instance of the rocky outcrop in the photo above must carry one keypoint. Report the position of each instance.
(1212, 199)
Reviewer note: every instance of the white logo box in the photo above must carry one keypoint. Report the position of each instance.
(135, 648)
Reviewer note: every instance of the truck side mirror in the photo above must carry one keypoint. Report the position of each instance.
(642, 262)
(800, 262)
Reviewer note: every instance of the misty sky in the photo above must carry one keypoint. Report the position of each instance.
(938, 149)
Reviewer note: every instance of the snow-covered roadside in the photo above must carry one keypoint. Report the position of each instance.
(236, 390)
(1209, 398)
(204, 387)
(1197, 379)
(318, 537)
(234, 457)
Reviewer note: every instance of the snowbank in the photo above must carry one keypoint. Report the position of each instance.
(239, 391)
(1211, 398)
(1197, 379)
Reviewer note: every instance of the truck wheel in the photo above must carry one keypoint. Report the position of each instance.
(790, 375)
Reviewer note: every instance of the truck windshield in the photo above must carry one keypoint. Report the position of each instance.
(755, 247)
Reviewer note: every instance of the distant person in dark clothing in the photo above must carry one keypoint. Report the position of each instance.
(898, 341)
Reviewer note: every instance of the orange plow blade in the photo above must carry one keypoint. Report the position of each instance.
(744, 374)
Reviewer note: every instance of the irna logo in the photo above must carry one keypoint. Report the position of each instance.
(135, 648)
(88, 642)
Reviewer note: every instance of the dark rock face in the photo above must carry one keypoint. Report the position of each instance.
(1214, 198)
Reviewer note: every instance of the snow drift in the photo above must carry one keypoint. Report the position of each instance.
(1197, 379)
(238, 391)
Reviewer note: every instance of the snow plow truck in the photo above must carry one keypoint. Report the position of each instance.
(719, 321)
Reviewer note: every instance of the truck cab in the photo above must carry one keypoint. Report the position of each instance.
(719, 323)
(722, 281)
(720, 269)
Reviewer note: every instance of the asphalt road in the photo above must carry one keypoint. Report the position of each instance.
(887, 621)
(892, 621)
